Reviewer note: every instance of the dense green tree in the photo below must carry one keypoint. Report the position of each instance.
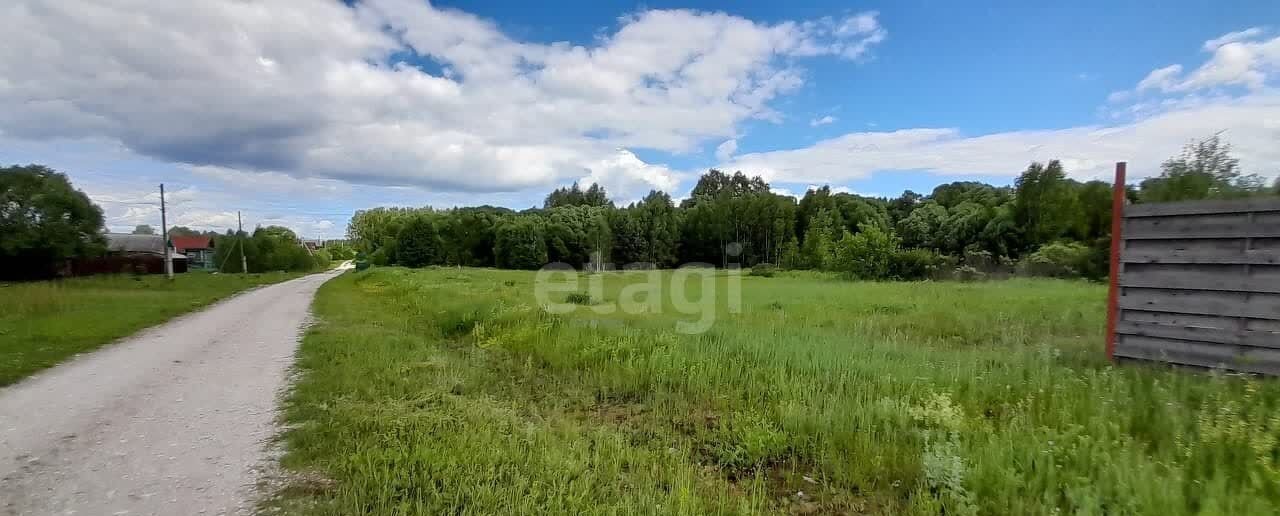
(660, 223)
(418, 243)
(901, 207)
(1204, 170)
(963, 227)
(278, 249)
(143, 229)
(868, 254)
(1095, 210)
(1045, 203)
(44, 221)
(1002, 236)
(520, 243)
(630, 243)
(576, 196)
(467, 234)
(577, 235)
(816, 200)
(823, 229)
(733, 209)
(924, 226)
(951, 195)
(856, 211)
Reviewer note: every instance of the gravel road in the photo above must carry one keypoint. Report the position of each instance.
(175, 420)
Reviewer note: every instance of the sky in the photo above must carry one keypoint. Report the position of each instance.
(299, 112)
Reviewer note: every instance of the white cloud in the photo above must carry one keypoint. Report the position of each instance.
(1251, 124)
(725, 150)
(305, 88)
(1232, 37)
(624, 172)
(1161, 78)
(1241, 58)
(822, 121)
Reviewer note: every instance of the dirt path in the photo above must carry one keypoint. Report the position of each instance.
(174, 420)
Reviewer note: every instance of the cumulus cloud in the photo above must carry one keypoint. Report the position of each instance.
(397, 92)
(1251, 124)
(822, 121)
(1169, 109)
(1243, 59)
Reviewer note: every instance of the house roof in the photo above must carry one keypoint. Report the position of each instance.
(135, 244)
(182, 243)
(126, 243)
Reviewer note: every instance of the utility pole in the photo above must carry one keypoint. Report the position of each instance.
(164, 235)
(244, 264)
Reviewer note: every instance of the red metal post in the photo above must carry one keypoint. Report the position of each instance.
(1117, 223)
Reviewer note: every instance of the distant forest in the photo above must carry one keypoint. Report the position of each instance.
(1045, 224)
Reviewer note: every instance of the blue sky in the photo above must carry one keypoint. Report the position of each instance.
(317, 108)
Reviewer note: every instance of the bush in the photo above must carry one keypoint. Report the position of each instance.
(915, 264)
(866, 255)
(418, 245)
(322, 258)
(379, 258)
(967, 273)
(764, 270)
(980, 260)
(340, 252)
(1058, 260)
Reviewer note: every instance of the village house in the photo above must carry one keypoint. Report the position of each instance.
(197, 249)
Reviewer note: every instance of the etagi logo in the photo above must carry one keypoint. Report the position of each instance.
(690, 290)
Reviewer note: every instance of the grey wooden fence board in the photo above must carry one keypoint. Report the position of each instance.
(1259, 339)
(1254, 360)
(1259, 257)
(1195, 320)
(1200, 303)
(1200, 284)
(1222, 280)
(1201, 207)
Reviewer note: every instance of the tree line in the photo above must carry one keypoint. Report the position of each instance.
(1044, 224)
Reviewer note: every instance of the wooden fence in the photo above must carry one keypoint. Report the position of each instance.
(1197, 283)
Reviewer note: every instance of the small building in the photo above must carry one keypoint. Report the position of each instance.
(126, 253)
(197, 249)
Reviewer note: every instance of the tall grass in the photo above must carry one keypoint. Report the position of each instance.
(449, 391)
(43, 323)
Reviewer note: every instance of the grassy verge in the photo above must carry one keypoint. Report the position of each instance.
(44, 323)
(449, 391)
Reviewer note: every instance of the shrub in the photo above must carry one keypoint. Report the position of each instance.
(966, 273)
(980, 260)
(915, 264)
(322, 258)
(866, 255)
(1057, 260)
(764, 270)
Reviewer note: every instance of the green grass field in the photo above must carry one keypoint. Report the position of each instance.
(44, 323)
(451, 391)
